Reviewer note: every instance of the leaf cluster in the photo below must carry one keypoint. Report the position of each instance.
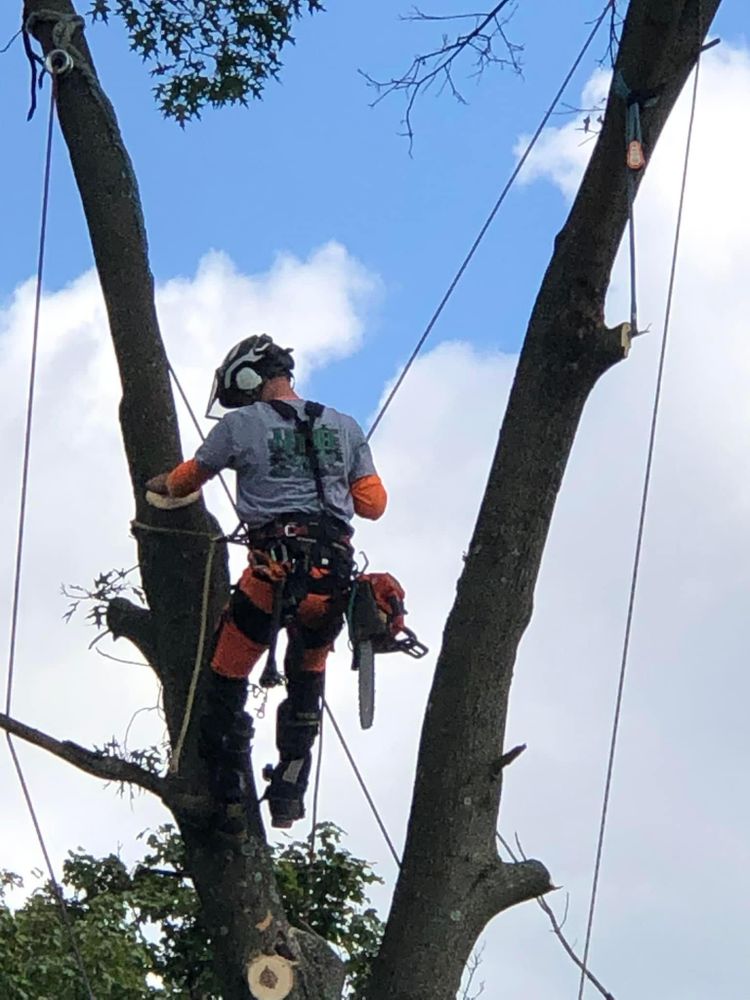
(106, 586)
(139, 930)
(207, 52)
(328, 893)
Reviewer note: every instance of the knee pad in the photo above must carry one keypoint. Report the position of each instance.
(296, 729)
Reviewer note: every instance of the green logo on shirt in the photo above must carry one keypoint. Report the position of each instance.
(288, 459)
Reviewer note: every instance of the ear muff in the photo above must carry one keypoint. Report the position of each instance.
(247, 379)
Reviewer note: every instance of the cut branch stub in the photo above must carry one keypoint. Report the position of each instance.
(270, 977)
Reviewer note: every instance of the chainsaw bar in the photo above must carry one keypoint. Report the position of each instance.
(364, 664)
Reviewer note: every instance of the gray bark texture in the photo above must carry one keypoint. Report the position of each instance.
(452, 881)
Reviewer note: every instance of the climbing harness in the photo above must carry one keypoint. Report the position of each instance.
(303, 547)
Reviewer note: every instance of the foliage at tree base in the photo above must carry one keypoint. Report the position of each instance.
(139, 930)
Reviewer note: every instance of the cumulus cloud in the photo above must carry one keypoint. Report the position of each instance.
(316, 305)
(671, 912)
(80, 501)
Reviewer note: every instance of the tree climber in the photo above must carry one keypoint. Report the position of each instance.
(303, 470)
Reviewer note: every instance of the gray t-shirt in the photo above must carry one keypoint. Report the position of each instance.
(273, 472)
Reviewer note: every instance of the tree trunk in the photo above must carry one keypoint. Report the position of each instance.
(452, 881)
(241, 904)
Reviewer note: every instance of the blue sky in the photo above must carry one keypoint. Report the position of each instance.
(313, 162)
(369, 239)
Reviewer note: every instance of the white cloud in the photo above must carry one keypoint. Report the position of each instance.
(671, 916)
(315, 305)
(80, 502)
(561, 154)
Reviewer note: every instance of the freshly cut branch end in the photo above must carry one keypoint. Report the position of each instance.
(270, 977)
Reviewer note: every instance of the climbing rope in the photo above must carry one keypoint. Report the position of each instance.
(316, 790)
(174, 764)
(639, 538)
(362, 784)
(490, 218)
(57, 62)
(201, 435)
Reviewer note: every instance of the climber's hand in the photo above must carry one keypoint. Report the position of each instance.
(158, 484)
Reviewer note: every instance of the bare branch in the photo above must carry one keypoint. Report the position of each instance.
(439, 63)
(119, 659)
(195, 808)
(613, 41)
(557, 925)
(95, 762)
(472, 967)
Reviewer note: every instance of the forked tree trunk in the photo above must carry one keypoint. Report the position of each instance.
(452, 882)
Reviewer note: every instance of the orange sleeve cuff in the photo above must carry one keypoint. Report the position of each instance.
(187, 478)
(369, 497)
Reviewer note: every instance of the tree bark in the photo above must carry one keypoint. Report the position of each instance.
(236, 886)
(451, 881)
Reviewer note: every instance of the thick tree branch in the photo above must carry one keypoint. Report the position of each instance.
(502, 885)
(127, 620)
(566, 350)
(94, 762)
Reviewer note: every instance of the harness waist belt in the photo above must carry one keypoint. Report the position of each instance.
(301, 526)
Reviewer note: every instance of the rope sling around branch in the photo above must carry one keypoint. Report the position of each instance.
(639, 539)
(57, 63)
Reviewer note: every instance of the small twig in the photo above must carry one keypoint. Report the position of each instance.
(556, 925)
(439, 63)
(472, 966)
(119, 659)
(165, 872)
(138, 711)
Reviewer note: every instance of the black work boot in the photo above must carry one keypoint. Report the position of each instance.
(288, 783)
